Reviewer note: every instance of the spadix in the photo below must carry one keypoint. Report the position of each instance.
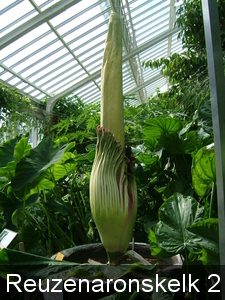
(113, 192)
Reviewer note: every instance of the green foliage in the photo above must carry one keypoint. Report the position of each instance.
(182, 229)
(16, 113)
(164, 140)
(36, 162)
(187, 72)
(33, 198)
(175, 216)
(52, 203)
(207, 233)
(75, 120)
(190, 20)
(188, 77)
(203, 170)
(161, 126)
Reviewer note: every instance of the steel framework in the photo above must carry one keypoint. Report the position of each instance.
(54, 48)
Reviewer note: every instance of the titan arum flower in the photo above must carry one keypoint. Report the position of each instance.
(113, 192)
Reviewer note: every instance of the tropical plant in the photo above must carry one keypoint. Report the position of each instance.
(33, 200)
(113, 193)
(188, 228)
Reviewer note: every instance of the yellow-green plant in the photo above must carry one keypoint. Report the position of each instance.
(113, 192)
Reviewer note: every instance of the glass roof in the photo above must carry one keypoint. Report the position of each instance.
(50, 49)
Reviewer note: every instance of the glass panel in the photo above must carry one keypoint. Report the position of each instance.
(82, 41)
(16, 13)
(60, 78)
(91, 54)
(84, 27)
(28, 89)
(45, 4)
(88, 61)
(74, 10)
(6, 76)
(41, 96)
(22, 85)
(46, 63)
(88, 45)
(32, 48)
(4, 4)
(95, 67)
(75, 67)
(66, 84)
(84, 88)
(13, 47)
(41, 54)
(36, 92)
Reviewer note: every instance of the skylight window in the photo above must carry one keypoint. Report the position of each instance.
(61, 52)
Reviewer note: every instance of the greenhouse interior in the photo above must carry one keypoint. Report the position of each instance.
(111, 149)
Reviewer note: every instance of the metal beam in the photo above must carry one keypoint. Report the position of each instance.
(171, 23)
(152, 42)
(36, 21)
(140, 69)
(24, 79)
(17, 20)
(217, 91)
(4, 10)
(51, 102)
(64, 43)
(53, 41)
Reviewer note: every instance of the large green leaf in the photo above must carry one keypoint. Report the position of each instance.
(155, 249)
(181, 186)
(30, 236)
(64, 208)
(38, 161)
(8, 206)
(147, 159)
(7, 151)
(175, 216)
(204, 170)
(154, 128)
(210, 260)
(178, 145)
(207, 231)
(43, 184)
(172, 143)
(64, 167)
(16, 215)
(21, 149)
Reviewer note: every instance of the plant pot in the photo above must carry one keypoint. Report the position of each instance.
(96, 252)
(81, 254)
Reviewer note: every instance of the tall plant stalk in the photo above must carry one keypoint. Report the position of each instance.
(113, 192)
